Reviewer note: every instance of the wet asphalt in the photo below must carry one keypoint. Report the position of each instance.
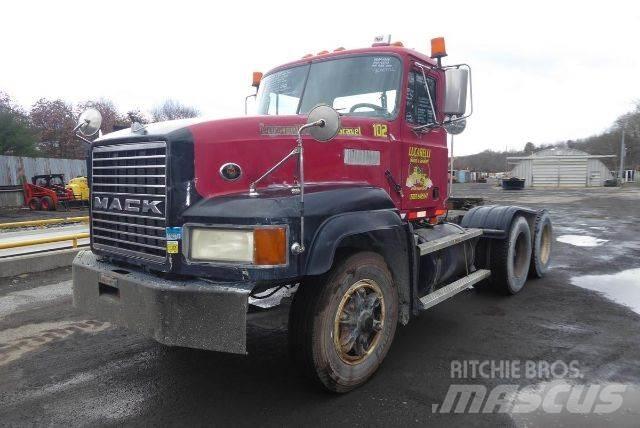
(60, 367)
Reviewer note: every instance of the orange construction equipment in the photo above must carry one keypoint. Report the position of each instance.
(47, 192)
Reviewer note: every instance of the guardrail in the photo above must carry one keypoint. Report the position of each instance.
(73, 238)
(18, 224)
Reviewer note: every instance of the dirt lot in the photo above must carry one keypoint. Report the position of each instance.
(8, 215)
(59, 367)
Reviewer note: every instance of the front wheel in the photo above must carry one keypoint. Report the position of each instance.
(342, 324)
(34, 204)
(47, 203)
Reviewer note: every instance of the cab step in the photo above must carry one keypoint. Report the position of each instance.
(454, 288)
(447, 241)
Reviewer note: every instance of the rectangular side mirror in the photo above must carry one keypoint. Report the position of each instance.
(455, 100)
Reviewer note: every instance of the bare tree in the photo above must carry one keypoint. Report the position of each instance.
(136, 115)
(54, 121)
(172, 109)
(529, 148)
(112, 120)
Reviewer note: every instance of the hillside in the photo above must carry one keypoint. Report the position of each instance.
(606, 143)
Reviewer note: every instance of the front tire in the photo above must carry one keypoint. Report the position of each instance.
(34, 204)
(342, 324)
(47, 204)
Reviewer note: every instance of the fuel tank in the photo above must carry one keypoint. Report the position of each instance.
(444, 266)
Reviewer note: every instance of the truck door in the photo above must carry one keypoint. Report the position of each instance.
(423, 153)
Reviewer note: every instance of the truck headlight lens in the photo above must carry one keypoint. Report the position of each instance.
(260, 246)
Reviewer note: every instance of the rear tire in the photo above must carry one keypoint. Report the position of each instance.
(542, 245)
(511, 257)
(342, 324)
(46, 203)
(34, 204)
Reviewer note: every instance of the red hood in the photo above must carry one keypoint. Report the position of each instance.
(257, 143)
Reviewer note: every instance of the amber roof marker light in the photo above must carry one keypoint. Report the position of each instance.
(438, 49)
(256, 78)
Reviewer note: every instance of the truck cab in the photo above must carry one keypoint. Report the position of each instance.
(196, 224)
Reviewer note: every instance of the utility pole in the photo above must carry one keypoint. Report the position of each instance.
(621, 170)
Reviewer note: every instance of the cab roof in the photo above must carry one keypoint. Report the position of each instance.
(384, 49)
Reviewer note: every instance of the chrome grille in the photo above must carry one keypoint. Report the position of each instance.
(128, 199)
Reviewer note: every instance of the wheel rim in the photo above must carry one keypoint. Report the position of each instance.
(359, 321)
(545, 244)
(520, 256)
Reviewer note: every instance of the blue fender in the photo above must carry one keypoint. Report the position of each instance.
(495, 219)
(381, 231)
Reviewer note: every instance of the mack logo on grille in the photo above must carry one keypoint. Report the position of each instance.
(131, 205)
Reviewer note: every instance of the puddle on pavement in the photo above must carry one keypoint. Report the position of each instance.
(621, 287)
(16, 342)
(20, 300)
(581, 240)
(569, 230)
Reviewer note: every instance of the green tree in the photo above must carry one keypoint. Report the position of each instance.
(16, 137)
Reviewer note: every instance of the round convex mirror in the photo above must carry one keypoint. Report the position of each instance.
(89, 122)
(455, 127)
(331, 122)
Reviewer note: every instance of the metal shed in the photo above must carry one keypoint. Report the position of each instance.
(14, 169)
(561, 167)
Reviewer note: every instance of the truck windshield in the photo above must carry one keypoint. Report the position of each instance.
(357, 86)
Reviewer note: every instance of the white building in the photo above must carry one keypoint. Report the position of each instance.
(561, 167)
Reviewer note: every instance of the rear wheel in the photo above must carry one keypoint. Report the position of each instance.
(341, 325)
(542, 244)
(34, 204)
(510, 258)
(47, 203)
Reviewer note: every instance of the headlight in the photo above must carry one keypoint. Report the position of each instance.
(260, 246)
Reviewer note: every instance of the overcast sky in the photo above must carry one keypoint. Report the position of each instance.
(545, 72)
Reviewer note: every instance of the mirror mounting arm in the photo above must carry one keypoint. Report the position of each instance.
(252, 186)
(246, 101)
(437, 124)
(324, 124)
(79, 135)
(297, 248)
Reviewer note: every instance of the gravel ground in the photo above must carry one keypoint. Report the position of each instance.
(59, 367)
(8, 215)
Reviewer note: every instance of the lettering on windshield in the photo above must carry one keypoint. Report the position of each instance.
(382, 64)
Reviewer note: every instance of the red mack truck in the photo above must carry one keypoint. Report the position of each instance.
(330, 203)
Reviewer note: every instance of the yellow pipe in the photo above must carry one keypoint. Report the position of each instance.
(44, 222)
(73, 238)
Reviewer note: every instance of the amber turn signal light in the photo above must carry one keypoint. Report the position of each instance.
(438, 49)
(270, 246)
